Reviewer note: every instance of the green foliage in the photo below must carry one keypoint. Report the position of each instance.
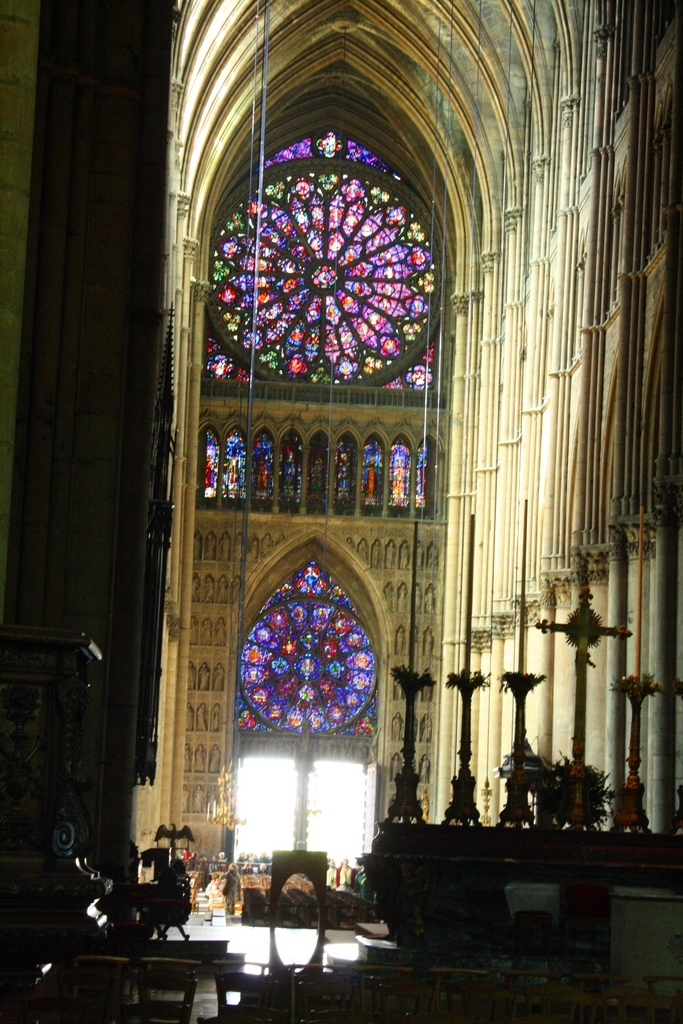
(550, 785)
(409, 681)
(637, 687)
(520, 683)
(472, 680)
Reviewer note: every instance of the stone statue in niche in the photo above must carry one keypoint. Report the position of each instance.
(427, 643)
(425, 729)
(218, 680)
(191, 677)
(400, 641)
(418, 597)
(389, 596)
(188, 758)
(198, 802)
(424, 770)
(204, 676)
(224, 548)
(219, 634)
(210, 547)
(362, 549)
(223, 590)
(196, 587)
(208, 589)
(194, 630)
(390, 555)
(404, 556)
(214, 760)
(186, 799)
(432, 556)
(401, 597)
(395, 766)
(253, 548)
(375, 555)
(201, 718)
(429, 600)
(206, 634)
(397, 726)
(216, 718)
(197, 550)
(200, 758)
(397, 693)
(189, 719)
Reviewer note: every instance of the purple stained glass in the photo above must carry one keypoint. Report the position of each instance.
(210, 465)
(262, 468)
(290, 471)
(308, 658)
(344, 277)
(399, 475)
(421, 482)
(354, 151)
(299, 151)
(345, 473)
(372, 474)
(316, 490)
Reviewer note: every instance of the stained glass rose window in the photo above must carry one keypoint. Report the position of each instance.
(345, 273)
(308, 658)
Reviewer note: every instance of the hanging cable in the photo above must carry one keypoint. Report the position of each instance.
(250, 402)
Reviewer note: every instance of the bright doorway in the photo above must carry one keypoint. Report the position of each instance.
(336, 809)
(266, 802)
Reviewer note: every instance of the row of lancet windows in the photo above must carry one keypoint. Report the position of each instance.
(366, 480)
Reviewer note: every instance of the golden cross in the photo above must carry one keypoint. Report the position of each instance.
(582, 630)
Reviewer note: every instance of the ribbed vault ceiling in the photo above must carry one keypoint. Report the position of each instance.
(416, 78)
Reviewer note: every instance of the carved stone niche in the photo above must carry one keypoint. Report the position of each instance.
(45, 825)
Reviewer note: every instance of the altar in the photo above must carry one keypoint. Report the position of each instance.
(442, 889)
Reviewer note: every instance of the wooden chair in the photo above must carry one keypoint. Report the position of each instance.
(344, 1017)
(622, 1003)
(562, 1002)
(55, 1010)
(370, 977)
(596, 982)
(247, 1015)
(436, 1017)
(446, 989)
(254, 990)
(165, 996)
(327, 992)
(98, 986)
(485, 1001)
(401, 996)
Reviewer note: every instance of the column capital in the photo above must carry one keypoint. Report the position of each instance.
(602, 36)
(182, 203)
(513, 215)
(190, 248)
(539, 164)
(202, 290)
(568, 105)
(488, 260)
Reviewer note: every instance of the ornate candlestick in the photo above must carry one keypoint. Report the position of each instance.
(463, 809)
(631, 814)
(517, 812)
(406, 806)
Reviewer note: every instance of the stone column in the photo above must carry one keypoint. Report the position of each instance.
(662, 714)
(19, 24)
(546, 668)
(615, 703)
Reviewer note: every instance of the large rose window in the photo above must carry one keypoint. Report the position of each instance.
(308, 659)
(345, 272)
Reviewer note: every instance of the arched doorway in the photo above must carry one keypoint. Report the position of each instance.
(305, 712)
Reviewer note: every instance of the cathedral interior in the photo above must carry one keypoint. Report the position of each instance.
(337, 337)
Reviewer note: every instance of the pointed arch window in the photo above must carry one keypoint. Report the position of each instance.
(399, 475)
(211, 455)
(262, 470)
(421, 476)
(290, 472)
(308, 659)
(372, 475)
(345, 474)
(234, 462)
(316, 490)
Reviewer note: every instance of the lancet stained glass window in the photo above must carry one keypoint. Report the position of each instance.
(308, 658)
(211, 465)
(262, 469)
(345, 474)
(421, 481)
(290, 471)
(316, 496)
(234, 461)
(345, 270)
(372, 474)
(399, 475)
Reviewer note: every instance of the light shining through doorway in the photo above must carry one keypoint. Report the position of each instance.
(266, 801)
(336, 809)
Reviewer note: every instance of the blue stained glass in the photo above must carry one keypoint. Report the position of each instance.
(316, 492)
(354, 151)
(345, 473)
(304, 678)
(234, 461)
(262, 468)
(299, 151)
(290, 471)
(420, 487)
(372, 475)
(211, 465)
(399, 475)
